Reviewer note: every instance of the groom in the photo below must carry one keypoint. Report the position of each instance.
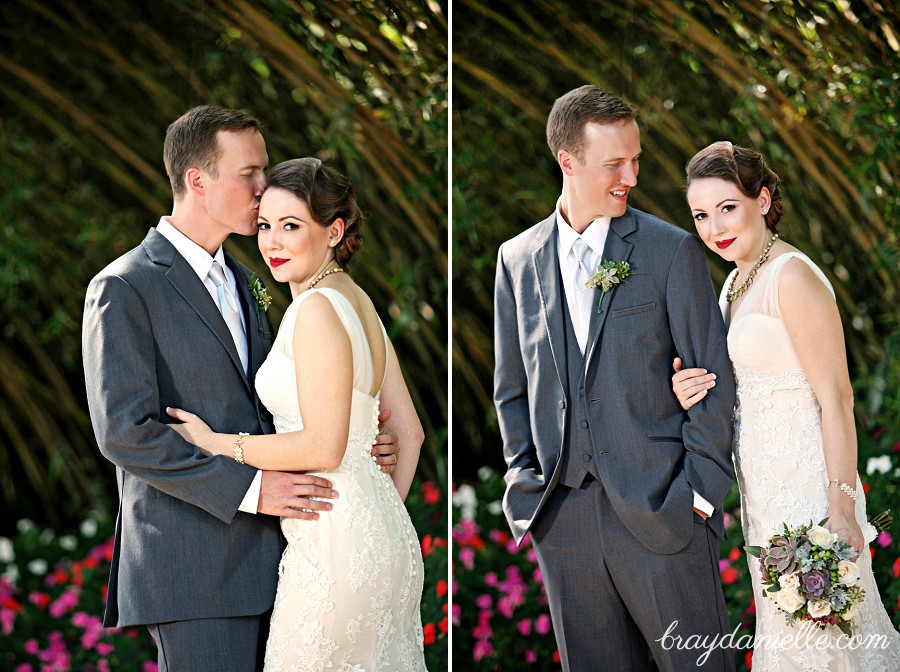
(174, 323)
(621, 490)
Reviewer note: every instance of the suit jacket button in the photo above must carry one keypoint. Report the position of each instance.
(586, 457)
(584, 424)
(562, 404)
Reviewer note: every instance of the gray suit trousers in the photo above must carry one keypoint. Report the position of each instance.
(612, 601)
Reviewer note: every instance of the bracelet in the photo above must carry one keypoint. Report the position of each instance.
(239, 447)
(846, 489)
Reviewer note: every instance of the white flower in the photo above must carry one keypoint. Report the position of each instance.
(484, 473)
(852, 612)
(819, 536)
(38, 567)
(89, 527)
(7, 552)
(495, 508)
(11, 575)
(25, 525)
(882, 465)
(848, 572)
(789, 599)
(818, 608)
(789, 580)
(466, 500)
(68, 542)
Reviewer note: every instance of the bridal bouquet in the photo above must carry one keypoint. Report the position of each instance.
(808, 572)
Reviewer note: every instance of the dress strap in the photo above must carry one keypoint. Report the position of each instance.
(771, 304)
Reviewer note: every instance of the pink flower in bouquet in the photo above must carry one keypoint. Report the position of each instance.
(537, 576)
(524, 627)
(490, 579)
(150, 666)
(457, 613)
(484, 601)
(104, 648)
(505, 607)
(512, 547)
(530, 656)
(25, 667)
(885, 540)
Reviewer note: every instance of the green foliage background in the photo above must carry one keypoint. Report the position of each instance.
(88, 91)
(813, 84)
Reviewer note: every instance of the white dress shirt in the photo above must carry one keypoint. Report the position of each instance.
(580, 311)
(200, 261)
(595, 237)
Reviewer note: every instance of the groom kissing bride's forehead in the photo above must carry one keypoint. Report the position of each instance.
(621, 490)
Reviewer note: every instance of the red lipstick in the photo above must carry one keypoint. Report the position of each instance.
(722, 244)
(275, 262)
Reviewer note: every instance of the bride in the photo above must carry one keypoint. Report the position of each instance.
(795, 438)
(350, 581)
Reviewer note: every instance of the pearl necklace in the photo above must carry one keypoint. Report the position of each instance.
(733, 293)
(324, 274)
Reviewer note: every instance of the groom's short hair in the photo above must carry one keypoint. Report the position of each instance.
(192, 141)
(574, 110)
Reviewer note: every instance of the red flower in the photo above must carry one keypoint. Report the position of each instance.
(426, 546)
(748, 660)
(556, 656)
(866, 488)
(41, 600)
(734, 554)
(441, 588)
(729, 576)
(10, 603)
(443, 625)
(895, 570)
(872, 551)
(429, 632)
(430, 494)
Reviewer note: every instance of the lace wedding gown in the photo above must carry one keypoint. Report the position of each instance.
(780, 465)
(350, 583)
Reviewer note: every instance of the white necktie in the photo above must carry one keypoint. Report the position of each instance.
(229, 309)
(582, 318)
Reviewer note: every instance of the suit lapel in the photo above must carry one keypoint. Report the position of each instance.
(616, 249)
(546, 268)
(185, 281)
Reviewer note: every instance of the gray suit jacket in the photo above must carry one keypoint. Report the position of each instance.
(153, 337)
(650, 452)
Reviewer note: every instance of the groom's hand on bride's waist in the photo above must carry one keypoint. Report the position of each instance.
(385, 450)
(294, 495)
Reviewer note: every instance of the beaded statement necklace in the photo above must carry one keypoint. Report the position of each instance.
(324, 274)
(733, 293)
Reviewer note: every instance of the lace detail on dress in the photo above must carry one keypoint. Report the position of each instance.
(780, 467)
(350, 582)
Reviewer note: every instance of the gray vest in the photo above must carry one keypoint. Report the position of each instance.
(578, 455)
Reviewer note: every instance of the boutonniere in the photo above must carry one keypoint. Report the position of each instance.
(609, 274)
(262, 299)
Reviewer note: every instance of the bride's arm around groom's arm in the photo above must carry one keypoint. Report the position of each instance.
(323, 362)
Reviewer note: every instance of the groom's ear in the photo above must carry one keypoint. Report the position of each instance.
(194, 180)
(566, 161)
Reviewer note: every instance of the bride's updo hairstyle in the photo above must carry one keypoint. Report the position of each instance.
(741, 166)
(327, 194)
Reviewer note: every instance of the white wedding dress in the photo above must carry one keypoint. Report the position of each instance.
(350, 583)
(780, 465)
